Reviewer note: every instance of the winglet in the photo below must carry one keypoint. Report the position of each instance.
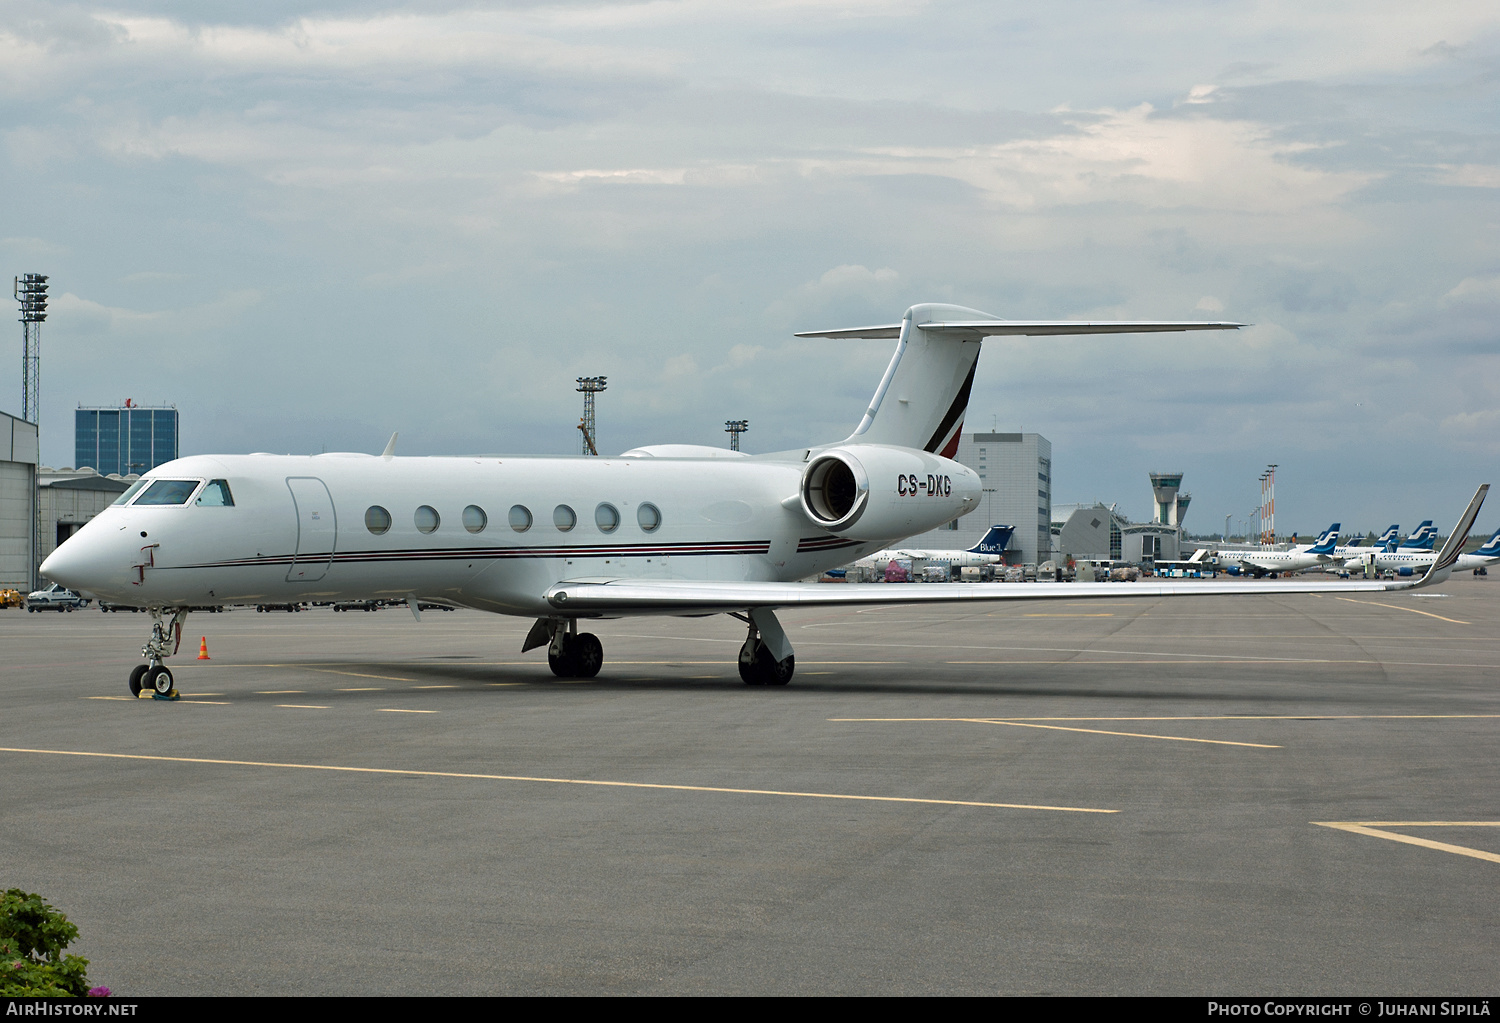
(390, 448)
(1443, 566)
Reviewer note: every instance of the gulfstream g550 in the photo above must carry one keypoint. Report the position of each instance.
(670, 530)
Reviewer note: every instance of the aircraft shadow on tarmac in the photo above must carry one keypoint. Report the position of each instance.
(481, 676)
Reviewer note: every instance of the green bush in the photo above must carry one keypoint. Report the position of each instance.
(32, 938)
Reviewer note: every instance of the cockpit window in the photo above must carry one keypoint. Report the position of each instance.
(216, 495)
(167, 492)
(135, 488)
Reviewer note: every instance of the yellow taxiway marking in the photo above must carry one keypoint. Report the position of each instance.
(505, 683)
(563, 781)
(1015, 723)
(1398, 607)
(301, 706)
(356, 674)
(403, 710)
(132, 699)
(1368, 828)
(212, 703)
(278, 692)
(363, 689)
(1106, 614)
(435, 687)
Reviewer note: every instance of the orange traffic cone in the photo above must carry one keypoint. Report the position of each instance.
(203, 650)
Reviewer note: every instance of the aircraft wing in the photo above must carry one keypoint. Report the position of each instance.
(601, 597)
(666, 596)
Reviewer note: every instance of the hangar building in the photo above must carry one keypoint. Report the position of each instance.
(18, 479)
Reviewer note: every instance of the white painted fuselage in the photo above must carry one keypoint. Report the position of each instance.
(304, 528)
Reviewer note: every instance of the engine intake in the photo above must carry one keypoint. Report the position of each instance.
(888, 492)
(835, 488)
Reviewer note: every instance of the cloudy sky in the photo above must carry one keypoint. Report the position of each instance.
(309, 226)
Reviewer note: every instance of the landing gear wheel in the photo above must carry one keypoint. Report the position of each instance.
(562, 666)
(136, 677)
(765, 670)
(588, 655)
(160, 679)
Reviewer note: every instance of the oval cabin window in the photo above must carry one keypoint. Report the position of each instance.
(649, 516)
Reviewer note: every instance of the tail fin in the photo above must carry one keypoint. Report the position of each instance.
(1389, 538)
(1491, 547)
(1327, 542)
(1422, 539)
(922, 399)
(995, 541)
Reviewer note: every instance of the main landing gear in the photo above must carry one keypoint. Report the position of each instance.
(166, 637)
(766, 659)
(570, 653)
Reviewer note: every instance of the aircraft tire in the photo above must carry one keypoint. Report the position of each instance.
(159, 679)
(565, 666)
(776, 673)
(588, 655)
(135, 679)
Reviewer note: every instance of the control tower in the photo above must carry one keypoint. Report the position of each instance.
(1169, 506)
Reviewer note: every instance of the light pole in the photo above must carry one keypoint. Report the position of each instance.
(590, 386)
(31, 291)
(735, 427)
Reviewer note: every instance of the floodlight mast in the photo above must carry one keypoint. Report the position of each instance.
(735, 427)
(590, 386)
(31, 292)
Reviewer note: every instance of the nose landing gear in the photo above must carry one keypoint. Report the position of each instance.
(166, 637)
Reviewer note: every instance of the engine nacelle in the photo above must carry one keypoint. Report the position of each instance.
(886, 492)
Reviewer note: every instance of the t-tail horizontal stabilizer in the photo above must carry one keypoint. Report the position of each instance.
(932, 371)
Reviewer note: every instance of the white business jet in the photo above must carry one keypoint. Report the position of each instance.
(673, 530)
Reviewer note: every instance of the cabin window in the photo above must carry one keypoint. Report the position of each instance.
(168, 492)
(475, 519)
(520, 518)
(377, 519)
(649, 516)
(426, 519)
(564, 518)
(215, 495)
(607, 518)
(135, 488)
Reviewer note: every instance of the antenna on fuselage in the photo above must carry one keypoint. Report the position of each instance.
(390, 448)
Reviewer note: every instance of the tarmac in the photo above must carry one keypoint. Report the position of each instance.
(1233, 796)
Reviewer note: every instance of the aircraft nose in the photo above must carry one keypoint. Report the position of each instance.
(76, 564)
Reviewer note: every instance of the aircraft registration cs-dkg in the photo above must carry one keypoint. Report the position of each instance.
(664, 530)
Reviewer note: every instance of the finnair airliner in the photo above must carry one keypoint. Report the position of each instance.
(665, 530)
